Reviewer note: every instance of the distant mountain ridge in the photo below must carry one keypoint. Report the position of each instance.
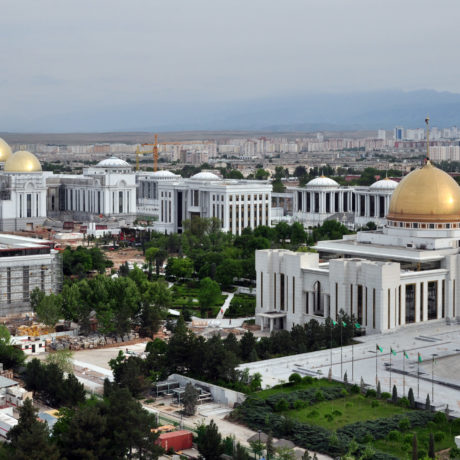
(296, 112)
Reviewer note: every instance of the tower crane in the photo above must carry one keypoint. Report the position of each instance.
(140, 152)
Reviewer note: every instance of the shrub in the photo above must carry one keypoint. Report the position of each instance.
(299, 404)
(308, 379)
(404, 424)
(438, 436)
(344, 393)
(440, 418)
(354, 389)
(348, 405)
(386, 395)
(319, 395)
(329, 417)
(371, 393)
(394, 435)
(313, 413)
(375, 404)
(295, 378)
(404, 402)
(368, 438)
(337, 413)
(408, 439)
(422, 453)
(455, 452)
(281, 405)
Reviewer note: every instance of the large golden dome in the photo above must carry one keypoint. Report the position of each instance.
(22, 162)
(426, 195)
(5, 151)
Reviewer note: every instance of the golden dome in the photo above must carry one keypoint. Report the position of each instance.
(5, 151)
(22, 162)
(426, 195)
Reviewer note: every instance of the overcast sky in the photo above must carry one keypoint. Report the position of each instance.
(63, 56)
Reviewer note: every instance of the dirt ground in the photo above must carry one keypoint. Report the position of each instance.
(121, 256)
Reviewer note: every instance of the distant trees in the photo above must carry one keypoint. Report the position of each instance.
(80, 261)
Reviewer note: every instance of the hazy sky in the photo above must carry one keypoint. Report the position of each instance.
(64, 56)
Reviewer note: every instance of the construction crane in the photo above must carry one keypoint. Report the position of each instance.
(140, 152)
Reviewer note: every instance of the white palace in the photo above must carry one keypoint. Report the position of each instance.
(405, 273)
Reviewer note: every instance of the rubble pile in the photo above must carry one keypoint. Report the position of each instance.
(89, 342)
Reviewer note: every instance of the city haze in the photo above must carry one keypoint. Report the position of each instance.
(176, 65)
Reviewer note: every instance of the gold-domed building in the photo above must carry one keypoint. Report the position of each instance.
(22, 162)
(404, 273)
(5, 151)
(426, 196)
(23, 190)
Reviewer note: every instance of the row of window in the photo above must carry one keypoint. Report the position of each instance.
(420, 225)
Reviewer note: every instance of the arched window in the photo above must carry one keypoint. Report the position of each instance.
(318, 307)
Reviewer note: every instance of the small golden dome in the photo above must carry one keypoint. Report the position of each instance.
(22, 162)
(5, 151)
(426, 195)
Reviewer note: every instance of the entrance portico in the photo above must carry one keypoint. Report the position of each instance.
(272, 316)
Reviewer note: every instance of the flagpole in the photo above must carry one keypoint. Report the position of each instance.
(404, 374)
(353, 355)
(341, 349)
(376, 376)
(331, 343)
(391, 352)
(418, 376)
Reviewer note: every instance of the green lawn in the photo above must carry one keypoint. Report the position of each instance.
(183, 297)
(402, 448)
(340, 412)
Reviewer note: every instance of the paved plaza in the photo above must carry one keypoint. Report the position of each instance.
(437, 339)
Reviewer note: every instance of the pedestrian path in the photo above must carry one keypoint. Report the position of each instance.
(226, 304)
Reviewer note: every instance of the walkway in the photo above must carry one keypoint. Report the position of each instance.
(226, 304)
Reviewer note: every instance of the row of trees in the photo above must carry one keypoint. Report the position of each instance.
(119, 304)
(215, 359)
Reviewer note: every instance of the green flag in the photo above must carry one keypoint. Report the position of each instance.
(344, 324)
(379, 348)
(420, 358)
(358, 326)
(392, 351)
(406, 355)
(334, 323)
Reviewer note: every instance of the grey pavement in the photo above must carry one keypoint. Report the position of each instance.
(363, 360)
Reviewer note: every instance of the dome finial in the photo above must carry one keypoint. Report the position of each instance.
(427, 122)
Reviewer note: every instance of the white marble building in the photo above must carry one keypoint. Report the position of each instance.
(324, 199)
(403, 274)
(22, 190)
(107, 190)
(172, 199)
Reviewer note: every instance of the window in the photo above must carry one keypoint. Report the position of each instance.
(373, 308)
(432, 299)
(282, 291)
(120, 202)
(389, 309)
(336, 300)
(293, 294)
(410, 303)
(422, 301)
(274, 290)
(29, 205)
(262, 290)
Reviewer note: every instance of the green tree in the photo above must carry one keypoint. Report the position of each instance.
(427, 402)
(411, 398)
(269, 446)
(36, 296)
(209, 293)
(10, 356)
(49, 310)
(5, 335)
(257, 448)
(62, 359)
(129, 373)
(261, 174)
(30, 439)
(431, 449)
(394, 396)
(190, 399)
(150, 255)
(414, 448)
(209, 441)
(179, 267)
